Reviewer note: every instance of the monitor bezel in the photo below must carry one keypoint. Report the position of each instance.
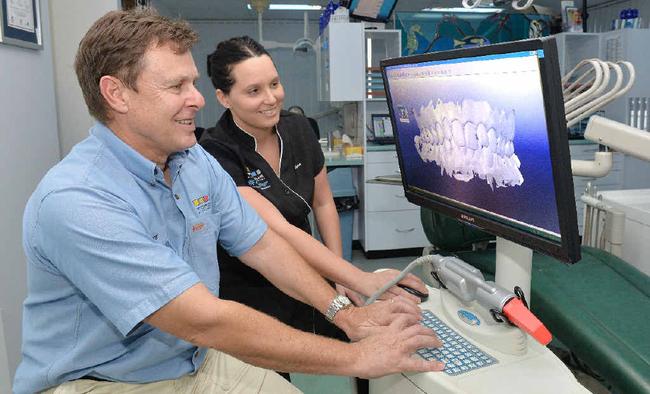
(369, 19)
(568, 250)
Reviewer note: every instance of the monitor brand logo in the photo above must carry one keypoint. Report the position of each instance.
(467, 218)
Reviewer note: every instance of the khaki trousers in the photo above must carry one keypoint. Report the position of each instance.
(220, 373)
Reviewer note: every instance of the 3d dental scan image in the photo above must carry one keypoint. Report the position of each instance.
(473, 130)
(469, 139)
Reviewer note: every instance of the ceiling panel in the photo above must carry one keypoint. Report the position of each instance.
(236, 9)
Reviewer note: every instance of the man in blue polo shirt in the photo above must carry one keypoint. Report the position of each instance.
(121, 236)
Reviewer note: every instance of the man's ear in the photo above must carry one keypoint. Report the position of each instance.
(223, 98)
(115, 93)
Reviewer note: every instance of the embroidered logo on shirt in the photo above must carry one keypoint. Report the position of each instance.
(197, 227)
(202, 204)
(297, 166)
(257, 180)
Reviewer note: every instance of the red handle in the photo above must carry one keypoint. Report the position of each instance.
(523, 318)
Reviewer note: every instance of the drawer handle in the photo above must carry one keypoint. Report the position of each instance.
(408, 230)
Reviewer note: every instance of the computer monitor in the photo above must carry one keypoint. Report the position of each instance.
(382, 129)
(372, 10)
(481, 136)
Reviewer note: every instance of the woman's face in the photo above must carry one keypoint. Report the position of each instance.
(257, 95)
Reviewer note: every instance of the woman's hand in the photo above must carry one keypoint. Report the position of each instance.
(356, 298)
(375, 280)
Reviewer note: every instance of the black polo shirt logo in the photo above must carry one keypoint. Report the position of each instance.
(257, 180)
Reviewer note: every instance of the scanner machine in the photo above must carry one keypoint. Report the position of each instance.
(481, 137)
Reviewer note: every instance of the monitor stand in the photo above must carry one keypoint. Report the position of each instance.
(513, 266)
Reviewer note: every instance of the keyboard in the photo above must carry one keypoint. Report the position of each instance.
(456, 352)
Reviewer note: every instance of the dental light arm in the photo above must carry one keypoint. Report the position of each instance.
(468, 284)
(619, 137)
(580, 104)
(586, 95)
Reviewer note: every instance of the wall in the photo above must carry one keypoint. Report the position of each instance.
(67, 30)
(29, 146)
(297, 69)
(32, 113)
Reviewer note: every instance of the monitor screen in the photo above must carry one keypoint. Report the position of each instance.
(372, 10)
(481, 136)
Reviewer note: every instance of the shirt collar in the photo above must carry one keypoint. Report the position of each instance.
(131, 159)
(242, 136)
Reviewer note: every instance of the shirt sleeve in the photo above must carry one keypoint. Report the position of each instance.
(98, 242)
(228, 160)
(240, 225)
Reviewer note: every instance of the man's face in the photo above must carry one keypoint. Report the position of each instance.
(160, 116)
(257, 95)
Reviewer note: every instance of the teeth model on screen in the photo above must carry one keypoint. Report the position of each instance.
(469, 139)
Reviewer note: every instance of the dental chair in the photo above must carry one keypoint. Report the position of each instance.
(599, 307)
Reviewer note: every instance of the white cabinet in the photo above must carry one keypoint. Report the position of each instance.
(389, 221)
(348, 63)
(340, 62)
(572, 48)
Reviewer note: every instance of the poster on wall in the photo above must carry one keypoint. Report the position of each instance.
(424, 32)
(21, 23)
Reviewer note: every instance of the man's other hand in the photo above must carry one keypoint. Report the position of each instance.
(360, 322)
(390, 349)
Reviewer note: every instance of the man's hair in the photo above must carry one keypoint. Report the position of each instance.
(116, 44)
(227, 55)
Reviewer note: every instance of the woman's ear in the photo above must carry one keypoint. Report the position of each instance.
(114, 92)
(223, 98)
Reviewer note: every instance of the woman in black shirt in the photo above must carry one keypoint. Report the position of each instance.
(276, 161)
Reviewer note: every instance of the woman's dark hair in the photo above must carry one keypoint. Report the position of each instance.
(227, 55)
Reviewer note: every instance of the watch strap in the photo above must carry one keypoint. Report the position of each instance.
(339, 302)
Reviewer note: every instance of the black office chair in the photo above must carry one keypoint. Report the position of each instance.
(312, 122)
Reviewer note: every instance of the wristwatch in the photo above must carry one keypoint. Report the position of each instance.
(338, 303)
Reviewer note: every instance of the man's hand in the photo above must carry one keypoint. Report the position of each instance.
(375, 280)
(360, 322)
(390, 350)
